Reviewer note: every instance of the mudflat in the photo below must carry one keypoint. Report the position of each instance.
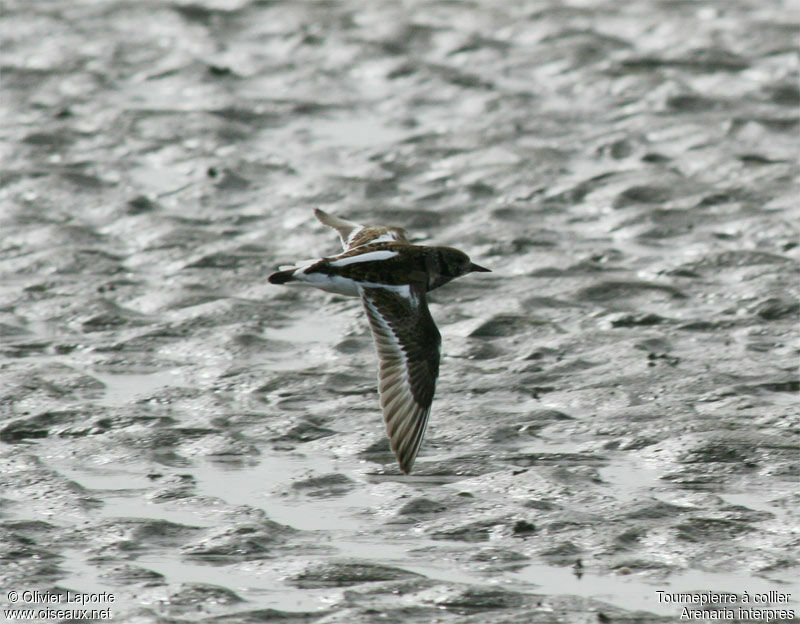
(615, 428)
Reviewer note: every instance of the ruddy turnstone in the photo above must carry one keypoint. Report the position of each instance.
(391, 276)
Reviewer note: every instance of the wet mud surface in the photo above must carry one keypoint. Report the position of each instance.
(617, 408)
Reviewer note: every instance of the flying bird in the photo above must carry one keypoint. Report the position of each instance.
(391, 276)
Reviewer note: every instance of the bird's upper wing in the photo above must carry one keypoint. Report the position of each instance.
(407, 342)
(355, 235)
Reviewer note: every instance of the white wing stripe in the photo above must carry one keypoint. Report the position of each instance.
(388, 339)
(370, 256)
(389, 237)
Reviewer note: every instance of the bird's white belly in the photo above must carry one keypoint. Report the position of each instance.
(330, 283)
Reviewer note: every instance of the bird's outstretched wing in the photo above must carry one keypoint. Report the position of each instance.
(355, 235)
(408, 343)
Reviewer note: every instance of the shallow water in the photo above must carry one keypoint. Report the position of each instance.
(617, 408)
(123, 388)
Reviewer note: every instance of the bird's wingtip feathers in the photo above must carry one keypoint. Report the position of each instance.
(333, 221)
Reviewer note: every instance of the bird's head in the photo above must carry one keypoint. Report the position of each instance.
(456, 263)
(450, 264)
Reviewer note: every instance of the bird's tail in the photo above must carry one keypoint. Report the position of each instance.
(281, 277)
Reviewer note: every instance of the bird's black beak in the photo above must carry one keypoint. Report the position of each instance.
(480, 269)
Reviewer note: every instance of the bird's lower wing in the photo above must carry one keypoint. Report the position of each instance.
(408, 344)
